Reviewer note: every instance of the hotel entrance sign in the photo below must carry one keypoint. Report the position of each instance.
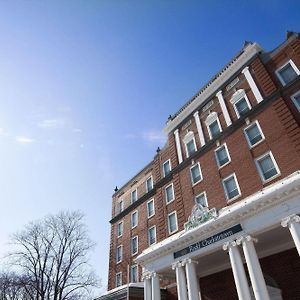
(210, 240)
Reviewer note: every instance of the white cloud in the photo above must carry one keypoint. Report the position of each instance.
(24, 140)
(154, 136)
(51, 123)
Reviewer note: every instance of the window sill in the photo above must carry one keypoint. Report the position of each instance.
(270, 179)
(234, 198)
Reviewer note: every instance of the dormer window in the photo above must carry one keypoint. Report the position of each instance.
(213, 125)
(240, 103)
(287, 73)
(190, 143)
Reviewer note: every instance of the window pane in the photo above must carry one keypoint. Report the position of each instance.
(201, 199)
(169, 193)
(134, 219)
(134, 274)
(296, 100)
(167, 168)
(191, 148)
(120, 229)
(118, 279)
(120, 206)
(134, 245)
(152, 236)
(214, 129)
(149, 184)
(231, 187)
(287, 73)
(242, 106)
(133, 196)
(196, 175)
(253, 134)
(222, 156)
(150, 208)
(172, 223)
(267, 167)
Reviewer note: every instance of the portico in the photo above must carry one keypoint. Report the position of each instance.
(237, 239)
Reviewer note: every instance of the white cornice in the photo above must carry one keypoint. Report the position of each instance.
(250, 206)
(213, 86)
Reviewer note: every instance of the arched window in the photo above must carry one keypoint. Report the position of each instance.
(190, 143)
(240, 102)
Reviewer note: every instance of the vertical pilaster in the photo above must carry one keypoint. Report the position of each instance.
(180, 281)
(147, 288)
(238, 271)
(254, 268)
(224, 108)
(293, 223)
(252, 84)
(192, 280)
(155, 287)
(178, 146)
(199, 128)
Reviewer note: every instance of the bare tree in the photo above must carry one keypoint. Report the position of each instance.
(52, 256)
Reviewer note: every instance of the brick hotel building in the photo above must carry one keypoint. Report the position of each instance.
(215, 214)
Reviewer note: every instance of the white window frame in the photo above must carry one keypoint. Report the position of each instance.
(216, 156)
(261, 133)
(171, 184)
(211, 118)
(120, 202)
(154, 235)
(119, 247)
(205, 197)
(238, 96)
(137, 273)
(137, 245)
(119, 235)
(293, 97)
(172, 213)
(186, 147)
(135, 190)
(119, 273)
(167, 161)
(259, 168)
(237, 185)
(284, 65)
(191, 174)
(151, 178)
(137, 219)
(148, 215)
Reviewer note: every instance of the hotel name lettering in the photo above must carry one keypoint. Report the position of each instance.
(211, 240)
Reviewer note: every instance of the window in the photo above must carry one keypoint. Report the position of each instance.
(120, 206)
(152, 235)
(190, 143)
(287, 73)
(118, 279)
(134, 245)
(267, 167)
(167, 167)
(134, 196)
(213, 125)
(150, 208)
(120, 229)
(169, 192)
(240, 103)
(201, 199)
(222, 156)
(149, 184)
(172, 222)
(196, 174)
(296, 100)
(231, 187)
(119, 253)
(134, 273)
(134, 219)
(254, 134)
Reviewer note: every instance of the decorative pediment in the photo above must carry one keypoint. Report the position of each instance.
(200, 214)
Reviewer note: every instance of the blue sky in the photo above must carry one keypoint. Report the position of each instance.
(86, 88)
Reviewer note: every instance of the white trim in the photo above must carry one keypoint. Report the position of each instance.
(293, 97)
(237, 97)
(216, 156)
(121, 256)
(224, 108)
(150, 177)
(137, 219)
(205, 197)
(150, 216)
(172, 213)
(187, 139)
(135, 190)
(199, 128)
(292, 64)
(178, 146)
(118, 229)
(171, 184)
(211, 118)
(119, 202)
(200, 171)
(137, 245)
(119, 273)
(269, 153)
(169, 160)
(252, 84)
(154, 226)
(261, 133)
(237, 186)
(137, 273)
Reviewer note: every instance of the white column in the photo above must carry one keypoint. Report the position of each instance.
(224, 108)
(147, 288)
(293, 223)
(192, 280)
(199, 128)
(155, 287)
(178, 146)
(252, 84)
(254, 268)
(180, 281)
(238, 270)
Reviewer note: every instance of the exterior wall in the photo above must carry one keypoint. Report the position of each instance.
(279, 121)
